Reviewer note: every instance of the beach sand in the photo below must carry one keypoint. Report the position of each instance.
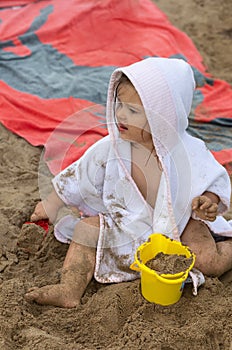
(110, 316)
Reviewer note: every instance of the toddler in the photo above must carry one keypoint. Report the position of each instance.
(148, 175)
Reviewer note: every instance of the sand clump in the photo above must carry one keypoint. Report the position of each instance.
(169, 263)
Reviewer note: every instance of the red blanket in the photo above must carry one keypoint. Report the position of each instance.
(56, 58)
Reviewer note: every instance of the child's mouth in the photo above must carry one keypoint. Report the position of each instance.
(122, 127)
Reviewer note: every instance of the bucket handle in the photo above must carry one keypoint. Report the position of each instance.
(134, 266)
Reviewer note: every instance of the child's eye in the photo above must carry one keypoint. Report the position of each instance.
(133, 111)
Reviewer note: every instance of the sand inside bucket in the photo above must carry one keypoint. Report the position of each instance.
(169, 263)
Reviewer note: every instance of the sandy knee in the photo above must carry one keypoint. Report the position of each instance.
(86, 231)
(207, 265)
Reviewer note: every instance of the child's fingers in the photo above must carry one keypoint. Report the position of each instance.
(211, 212)
(205, 203)
(196, 203)
(201, 202)
(35, 217)
(39, 213)
(204, 206)
(211, 217)
(212, 209)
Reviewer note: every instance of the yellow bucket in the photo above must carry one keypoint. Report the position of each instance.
(163, 289)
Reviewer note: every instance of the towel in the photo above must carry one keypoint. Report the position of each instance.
(57, 59)
(100, 182)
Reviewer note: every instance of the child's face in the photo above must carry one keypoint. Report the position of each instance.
(130, 116)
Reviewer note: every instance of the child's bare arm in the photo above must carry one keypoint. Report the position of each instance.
(48, 208)
(206, 206)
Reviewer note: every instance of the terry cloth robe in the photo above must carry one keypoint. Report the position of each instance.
(100, 182)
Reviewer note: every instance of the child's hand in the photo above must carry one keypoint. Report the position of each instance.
(39, 212)
(48, 208)
(204, 208)
(44, 210)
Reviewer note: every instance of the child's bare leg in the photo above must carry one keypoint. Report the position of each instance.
(212, 259)
(77, 270)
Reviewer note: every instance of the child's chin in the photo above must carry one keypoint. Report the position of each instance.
(125, 137)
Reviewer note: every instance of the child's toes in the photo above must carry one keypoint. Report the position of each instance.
(32, 294)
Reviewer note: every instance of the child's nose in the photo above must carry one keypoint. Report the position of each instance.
(121, 113)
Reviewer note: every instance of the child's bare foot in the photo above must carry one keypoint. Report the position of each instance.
(76, 274)
(57, 295)
(78, 270)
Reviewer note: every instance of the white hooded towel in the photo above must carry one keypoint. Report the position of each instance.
(100, 182)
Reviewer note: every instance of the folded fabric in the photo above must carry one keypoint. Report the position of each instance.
(197, 278)
(56, 60)
(14, 3)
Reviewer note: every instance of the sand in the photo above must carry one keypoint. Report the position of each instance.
(110, 316)
(169, 263)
